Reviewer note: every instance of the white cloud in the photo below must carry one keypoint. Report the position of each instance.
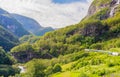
(48, 13)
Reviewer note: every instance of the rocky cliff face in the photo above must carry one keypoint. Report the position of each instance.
(99, 5)
(23, 56)
(26, 56)
(103, 11)
(94, 29)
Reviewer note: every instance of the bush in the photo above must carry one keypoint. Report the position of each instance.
(96, 46)
(83, 75)
(49, 70)
(95, 61)
(6, 71)
(57, 68)
(4, 58)
(100, 72)
(110, 64)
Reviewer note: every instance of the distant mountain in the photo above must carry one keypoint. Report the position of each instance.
(32, 25)
(11, 24)
(43, 30)
(7, 39)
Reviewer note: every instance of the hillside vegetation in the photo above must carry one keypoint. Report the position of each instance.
(7, 39)
(11, 24)
(61, 53)
(6, 61)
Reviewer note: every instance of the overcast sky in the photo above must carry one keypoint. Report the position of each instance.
(54, 13)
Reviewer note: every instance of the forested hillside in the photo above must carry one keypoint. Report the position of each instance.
(11, 24)
(6, 61)
(96, 27)
(7, 39)
(62, 53)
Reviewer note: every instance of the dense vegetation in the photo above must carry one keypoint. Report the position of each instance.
(79, 64)
(11, 24)
(6, 62)
(100, 2)
(61, 53)
(29, 38)
(7, 39)
(66, 47)
(75, 38)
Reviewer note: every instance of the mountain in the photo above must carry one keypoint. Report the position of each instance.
(7, 39)
(11, 24)
(90, 48)
(43, 30)
(96, 27)
(31, 25)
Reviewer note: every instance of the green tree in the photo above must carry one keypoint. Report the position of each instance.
(4, 58)
(57, 68)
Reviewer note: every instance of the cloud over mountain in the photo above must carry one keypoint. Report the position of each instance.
(48, 12)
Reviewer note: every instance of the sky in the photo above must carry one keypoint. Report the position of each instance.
(53, 13)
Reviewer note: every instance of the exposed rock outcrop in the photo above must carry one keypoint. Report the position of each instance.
(96, 7)
(25, 56)
(94, 29)
(114, 5)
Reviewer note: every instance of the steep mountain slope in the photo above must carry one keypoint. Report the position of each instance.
(7, 39)
(97, 26)
(11, 24)
(31, 25)
(100, 29)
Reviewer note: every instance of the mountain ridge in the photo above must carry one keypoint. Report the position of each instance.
(32, 25)
(11, 24)
(92, 29)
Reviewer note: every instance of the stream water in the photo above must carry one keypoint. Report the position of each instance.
(118, 2)
(113, 8)
(22, 69)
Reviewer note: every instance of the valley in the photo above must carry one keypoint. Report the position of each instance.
(90, 48)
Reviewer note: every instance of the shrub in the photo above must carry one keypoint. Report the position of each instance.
(49, 70)
(83, 75)
(96, 46)
(6, 70)
(57, 68)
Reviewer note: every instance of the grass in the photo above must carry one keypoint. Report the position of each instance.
(88, 72)
(116, 74)
(109, 67)
(115, 49)
(99, 2)
(67, 66)
(66, 74)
